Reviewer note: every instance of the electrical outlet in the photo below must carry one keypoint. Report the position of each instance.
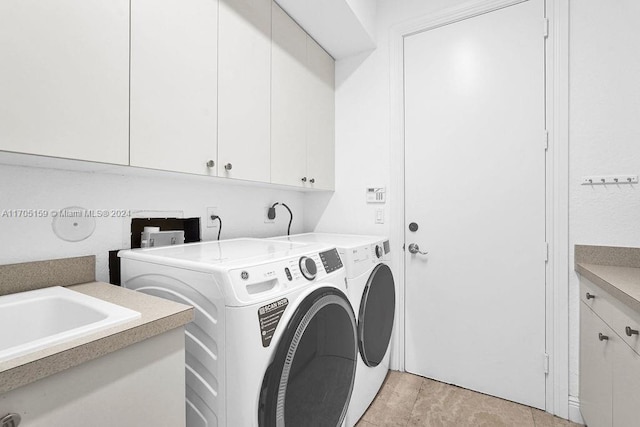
(266, 216)
(210, 222)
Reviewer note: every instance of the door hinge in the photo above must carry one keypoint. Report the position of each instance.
(546, 363)
(546, 252)
(545, 140)
(545, 27)
(403, 245)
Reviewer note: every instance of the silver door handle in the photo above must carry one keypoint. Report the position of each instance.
(415, 249)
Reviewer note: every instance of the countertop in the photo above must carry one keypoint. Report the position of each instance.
(157, 316)
(616, 270)
(623, 283)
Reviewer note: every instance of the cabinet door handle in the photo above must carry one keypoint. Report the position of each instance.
(602, 337)
(304, 179)
(590, 296)
(630, 332)
(211, 164)
(228, 166)
(312, 180)
(10, 420)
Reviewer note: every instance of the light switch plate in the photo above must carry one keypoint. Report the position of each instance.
(379, 216)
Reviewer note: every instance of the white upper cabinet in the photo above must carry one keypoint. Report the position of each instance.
(302, 108)
(244, 89)
(174, 85)
(288, 100)
(320, 117)
(64, 78)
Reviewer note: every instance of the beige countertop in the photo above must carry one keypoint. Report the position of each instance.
(623, 283)
(157, 316)
(615, 269)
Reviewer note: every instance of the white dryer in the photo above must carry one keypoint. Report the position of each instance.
(371, 291)
(274, 340)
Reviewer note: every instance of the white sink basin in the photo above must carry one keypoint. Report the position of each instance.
(30, 321)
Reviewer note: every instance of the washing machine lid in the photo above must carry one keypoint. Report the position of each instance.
(221, 255)
(345, 241)
(311, 378)
(377, 312)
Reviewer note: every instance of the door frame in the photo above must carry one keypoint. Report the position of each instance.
(557, 182)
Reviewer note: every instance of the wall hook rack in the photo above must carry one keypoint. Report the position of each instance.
(609, 179)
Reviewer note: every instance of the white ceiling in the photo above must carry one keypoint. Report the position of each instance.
(342, 27)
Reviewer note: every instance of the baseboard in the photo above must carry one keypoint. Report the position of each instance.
(574, 410)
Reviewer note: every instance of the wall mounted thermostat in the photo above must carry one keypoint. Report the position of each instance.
(376, 195)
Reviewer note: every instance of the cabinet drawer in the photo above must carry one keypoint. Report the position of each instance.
(623, 318)
(616, 314)
(602, 303)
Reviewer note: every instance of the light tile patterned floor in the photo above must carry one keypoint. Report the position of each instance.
(410, 400)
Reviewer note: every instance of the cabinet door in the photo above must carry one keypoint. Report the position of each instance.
(626, 386)
(173, 84)
(595, 369)
(64, 78)
(244, 89)
(321, 117)
(288, 100)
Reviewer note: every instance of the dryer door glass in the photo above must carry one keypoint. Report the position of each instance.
(310, 380)
(375, 320)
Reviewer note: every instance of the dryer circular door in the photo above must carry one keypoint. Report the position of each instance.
(377, 311)
(310, 380)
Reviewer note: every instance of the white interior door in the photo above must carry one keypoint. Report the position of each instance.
(475, 185)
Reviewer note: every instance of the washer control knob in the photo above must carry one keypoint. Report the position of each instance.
(308, 268)
(379, 251)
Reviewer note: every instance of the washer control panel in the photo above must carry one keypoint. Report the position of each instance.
(331, 260)
(253, 281)
(296, 269)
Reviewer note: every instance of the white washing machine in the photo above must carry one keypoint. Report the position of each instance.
(371, 291)
(274, 340)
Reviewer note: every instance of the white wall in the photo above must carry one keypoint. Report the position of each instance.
(365, 11)
(362, 129)
(604, 131)
(242, 209)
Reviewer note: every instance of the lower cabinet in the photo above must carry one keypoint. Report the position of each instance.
(609, 366)
(596, 348)
(140, 385)
(626, 387)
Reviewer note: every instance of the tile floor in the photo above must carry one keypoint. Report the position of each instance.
(410, 400)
